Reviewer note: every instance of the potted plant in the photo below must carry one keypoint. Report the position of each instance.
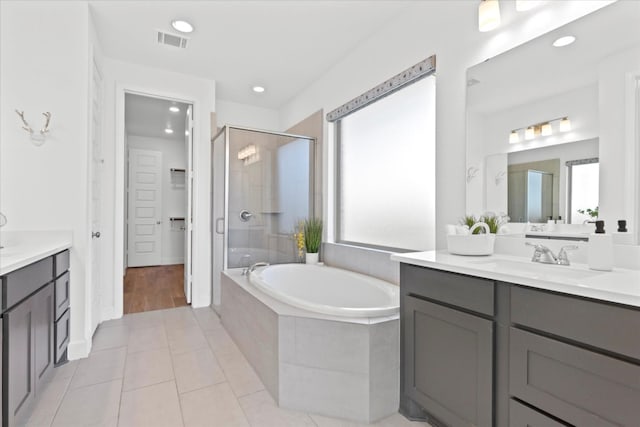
(312, 229)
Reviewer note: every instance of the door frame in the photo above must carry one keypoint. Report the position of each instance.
(120, 170)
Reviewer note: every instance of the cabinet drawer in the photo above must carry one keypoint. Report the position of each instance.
(523, 416)
(578, 386)
(590, 322)
(21, 283)
(62, 330)
(61, 263)
(471, 293)
(62, 294)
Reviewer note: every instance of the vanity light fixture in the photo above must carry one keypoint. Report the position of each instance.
(168, 131)
(174, 109)
(182, 26)
(564, 41)
(540, 129)
(514, 137)
(258, 89)
(529, 133)
(488, 15)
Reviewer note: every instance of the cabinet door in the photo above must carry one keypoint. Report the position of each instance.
(43, 312)
(18, 352)
(448, 363)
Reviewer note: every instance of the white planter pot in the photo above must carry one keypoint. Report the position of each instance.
(311, 258)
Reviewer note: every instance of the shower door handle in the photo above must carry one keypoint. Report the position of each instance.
(245, 215)
(220, 225)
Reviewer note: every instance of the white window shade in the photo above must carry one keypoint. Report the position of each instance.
(386, 181)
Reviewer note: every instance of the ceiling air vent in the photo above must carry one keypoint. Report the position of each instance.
(172, 40)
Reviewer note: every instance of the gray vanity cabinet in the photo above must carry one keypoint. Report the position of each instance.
(28, 329)
(447, 350)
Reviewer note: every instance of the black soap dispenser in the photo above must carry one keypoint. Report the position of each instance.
(600, 249)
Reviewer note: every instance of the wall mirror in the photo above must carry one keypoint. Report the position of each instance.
(537, 113)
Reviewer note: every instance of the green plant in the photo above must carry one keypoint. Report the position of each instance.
(312, 234)
(593, 213)
(492, 220)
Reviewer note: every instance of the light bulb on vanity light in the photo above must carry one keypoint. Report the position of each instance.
(488, 15)
(529, 133)
(514, 137)
(565, 124)
(545, 129)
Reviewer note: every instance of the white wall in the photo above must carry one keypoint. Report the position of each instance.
(173, 192)
(120, 77)
(44, 66)
(410, 38)
(243, 115)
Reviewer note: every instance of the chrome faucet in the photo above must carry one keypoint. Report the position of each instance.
(250, 269)
(544, 255)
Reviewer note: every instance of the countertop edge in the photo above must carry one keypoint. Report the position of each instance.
(35, 254)
(568, 289)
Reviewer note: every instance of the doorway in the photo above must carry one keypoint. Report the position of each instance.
(158, 188)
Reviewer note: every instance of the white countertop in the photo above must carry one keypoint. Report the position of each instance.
(618, 286)
(21, 248)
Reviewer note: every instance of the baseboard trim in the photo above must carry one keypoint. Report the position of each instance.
(78, 349)
(172, 261)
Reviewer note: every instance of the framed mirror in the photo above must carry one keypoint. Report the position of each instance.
(539, 112)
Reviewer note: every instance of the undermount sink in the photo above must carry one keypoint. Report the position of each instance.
(536, 270)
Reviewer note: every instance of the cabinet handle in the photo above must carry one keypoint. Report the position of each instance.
(95, 234)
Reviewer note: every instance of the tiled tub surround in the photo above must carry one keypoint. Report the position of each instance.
(340, 367)
(372, 262)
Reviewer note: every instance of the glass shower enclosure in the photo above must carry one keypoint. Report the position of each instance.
(262, 185)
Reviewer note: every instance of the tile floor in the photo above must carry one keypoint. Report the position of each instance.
(175, 367)
(153, 288)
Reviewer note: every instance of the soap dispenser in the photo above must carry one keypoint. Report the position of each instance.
(600, 249)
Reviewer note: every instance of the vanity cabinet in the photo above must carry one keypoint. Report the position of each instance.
(447, 333)
(28, 325)
(576, 359)
(478, 352)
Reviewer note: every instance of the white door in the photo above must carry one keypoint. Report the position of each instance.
(96, 195)
(145, 208)
(188, 229)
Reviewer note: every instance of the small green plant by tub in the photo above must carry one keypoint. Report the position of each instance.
(491, 219)
(312, 235)
(593, 213)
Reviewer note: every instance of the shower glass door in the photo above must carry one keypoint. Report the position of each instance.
(269, 191)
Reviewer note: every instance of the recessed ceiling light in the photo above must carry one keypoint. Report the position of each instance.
(564, 41)
(174, 109)
(168, 130)
(258, 89)
(182, 26)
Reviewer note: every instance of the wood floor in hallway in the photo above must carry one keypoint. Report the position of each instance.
(153, 288)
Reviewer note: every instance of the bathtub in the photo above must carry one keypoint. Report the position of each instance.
(328, 290)
(318, 344)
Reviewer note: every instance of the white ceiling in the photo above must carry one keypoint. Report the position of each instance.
(282, 45)
(147, 116)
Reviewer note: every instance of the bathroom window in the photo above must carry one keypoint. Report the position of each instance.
(386, 171)
(583, 177)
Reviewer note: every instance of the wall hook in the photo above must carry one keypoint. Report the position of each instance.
(43, 132)
(472, 171)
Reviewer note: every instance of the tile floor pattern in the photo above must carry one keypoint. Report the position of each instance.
(153, 288)
(175, 367)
